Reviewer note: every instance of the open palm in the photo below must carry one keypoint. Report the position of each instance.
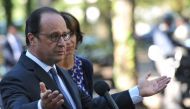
(151, 87)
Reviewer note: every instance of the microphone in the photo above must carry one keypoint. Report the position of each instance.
(102, 89)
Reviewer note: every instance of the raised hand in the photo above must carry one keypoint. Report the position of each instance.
(151, 87)
(49, 99)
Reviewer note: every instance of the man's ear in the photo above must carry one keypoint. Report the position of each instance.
(31, 38)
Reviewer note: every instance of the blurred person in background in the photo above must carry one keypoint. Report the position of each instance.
(170, 39)
(181, 95)
(162, 52)
(12, 47)
(182, 32)
(163, 49)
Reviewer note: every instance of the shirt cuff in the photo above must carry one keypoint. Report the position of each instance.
(134, 94)
(39, 104)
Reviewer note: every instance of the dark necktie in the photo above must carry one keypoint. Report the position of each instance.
(55, 77)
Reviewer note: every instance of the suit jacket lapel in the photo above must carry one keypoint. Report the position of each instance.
(38, 71)
(50, 84)
(71, 86)
(41, 75)
(44, 77)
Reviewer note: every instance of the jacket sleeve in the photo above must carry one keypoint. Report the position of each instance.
(15, 96)
(122, 99)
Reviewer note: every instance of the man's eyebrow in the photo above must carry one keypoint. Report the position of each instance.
(60, 32)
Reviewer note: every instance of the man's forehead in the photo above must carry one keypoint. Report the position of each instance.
(52, 20)
(49, 16)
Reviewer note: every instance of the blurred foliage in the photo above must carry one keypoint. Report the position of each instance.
(162, 2)
(94, 47)
(177, 5)
(146, 3)
(21, 9)
(97, 50)
(60, 5)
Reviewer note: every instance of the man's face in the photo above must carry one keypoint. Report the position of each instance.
(48, 51)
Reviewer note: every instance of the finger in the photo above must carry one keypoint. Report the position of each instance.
(161, 83)
(162, 88)
(53, 95)
(60, 102)
(159, 89)
(144, 78)
(57, 101)
(42, 87)
(55, 105)
(46, 94)
(165, 81)
(158, 80)
(44, 98)
(57, 98)
(148, 75)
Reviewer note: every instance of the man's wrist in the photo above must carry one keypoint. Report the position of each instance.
(135, 95)
(40, 104)
(140, 91)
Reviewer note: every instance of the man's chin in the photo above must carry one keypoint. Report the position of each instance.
(58, 59)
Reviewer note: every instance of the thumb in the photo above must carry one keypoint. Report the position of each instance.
(148, 75)
(42, 87)
(144, 78)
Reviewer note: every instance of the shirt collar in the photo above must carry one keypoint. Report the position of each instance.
(40, 63)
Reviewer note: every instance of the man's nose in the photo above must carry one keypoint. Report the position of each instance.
(61, 41)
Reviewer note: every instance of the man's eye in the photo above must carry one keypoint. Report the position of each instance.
(55, 35)
(65, 35)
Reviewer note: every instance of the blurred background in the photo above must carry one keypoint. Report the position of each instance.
(125, 40)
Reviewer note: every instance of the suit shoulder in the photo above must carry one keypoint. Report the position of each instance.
(17, 72)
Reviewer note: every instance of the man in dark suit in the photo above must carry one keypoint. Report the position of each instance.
(24, 87)
(37, 83)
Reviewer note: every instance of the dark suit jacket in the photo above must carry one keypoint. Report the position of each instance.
(1, 104)
(20, 89)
